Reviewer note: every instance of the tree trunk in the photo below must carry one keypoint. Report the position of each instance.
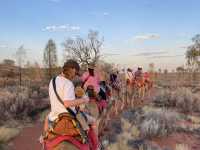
(50, 68)
(20, 76)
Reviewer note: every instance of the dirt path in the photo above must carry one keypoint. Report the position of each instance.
(28, 138)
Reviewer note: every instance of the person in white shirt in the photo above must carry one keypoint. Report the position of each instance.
(65, 90)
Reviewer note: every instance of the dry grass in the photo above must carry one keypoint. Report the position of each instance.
(181, 98)
(182, 147)
(158, 123)
(143, 124)
(7, 134)
(194, 119)
(14, 103)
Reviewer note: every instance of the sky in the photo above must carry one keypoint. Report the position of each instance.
(136, 32)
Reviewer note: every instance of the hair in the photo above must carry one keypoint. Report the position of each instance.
(129, 70)
(91, 72)
(70, 64)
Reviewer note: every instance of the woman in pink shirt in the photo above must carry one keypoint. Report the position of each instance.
(91, 78)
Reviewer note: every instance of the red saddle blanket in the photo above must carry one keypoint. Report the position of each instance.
(93, 141)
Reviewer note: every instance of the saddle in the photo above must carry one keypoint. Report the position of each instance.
(66, 125)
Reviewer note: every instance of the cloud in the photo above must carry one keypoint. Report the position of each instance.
(184, 35)
(3, 46)
(100, 14)
(106, 13)
(166, 56)
(150, 53)
(184, 47)
(110, 54)
(57, 28)
(146, 37)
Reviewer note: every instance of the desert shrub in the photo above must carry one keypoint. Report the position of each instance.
(133, 115)
(150, 146)
(15, 103)
(158, 123)
(7, 134)
(164, 98)
(182, 98)
(43, 92)
(196, 103)
(115, 130)
(143, 145)
(182, 147)
(37, 89)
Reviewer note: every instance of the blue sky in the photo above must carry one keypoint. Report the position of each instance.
(139, 31)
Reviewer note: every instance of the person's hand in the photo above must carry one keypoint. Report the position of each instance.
(41, 139)
(86, 99)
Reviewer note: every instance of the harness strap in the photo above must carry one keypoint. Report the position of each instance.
(50, 144)
(58, 97)
(78, 125)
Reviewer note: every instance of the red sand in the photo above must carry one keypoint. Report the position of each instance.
(28, 138)
(193, 141)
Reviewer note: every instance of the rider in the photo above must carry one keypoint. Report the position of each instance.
(115, 84)
(95, 80)
(91, 78)
(65, 90)
(147, 80)
(129, 76)
(91, 84)
(114, 81)
(146, 77)
(139, 76)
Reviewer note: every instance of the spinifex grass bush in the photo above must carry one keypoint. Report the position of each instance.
(182, 98)
(15, 103)
(7, 134)
(182, 147)
(164, 99)
(158, 123)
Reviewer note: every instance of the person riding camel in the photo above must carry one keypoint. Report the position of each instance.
(65, 89)
(147, 80)
(92, 84)
(63, 120)
(146, 77)
(104, 89)
(139, 75)
(129, 76)
(114, 82)
(91, 78)
(139, 82)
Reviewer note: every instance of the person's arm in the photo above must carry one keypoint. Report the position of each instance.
(76, 102)
(46, 126)
(69, 97)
